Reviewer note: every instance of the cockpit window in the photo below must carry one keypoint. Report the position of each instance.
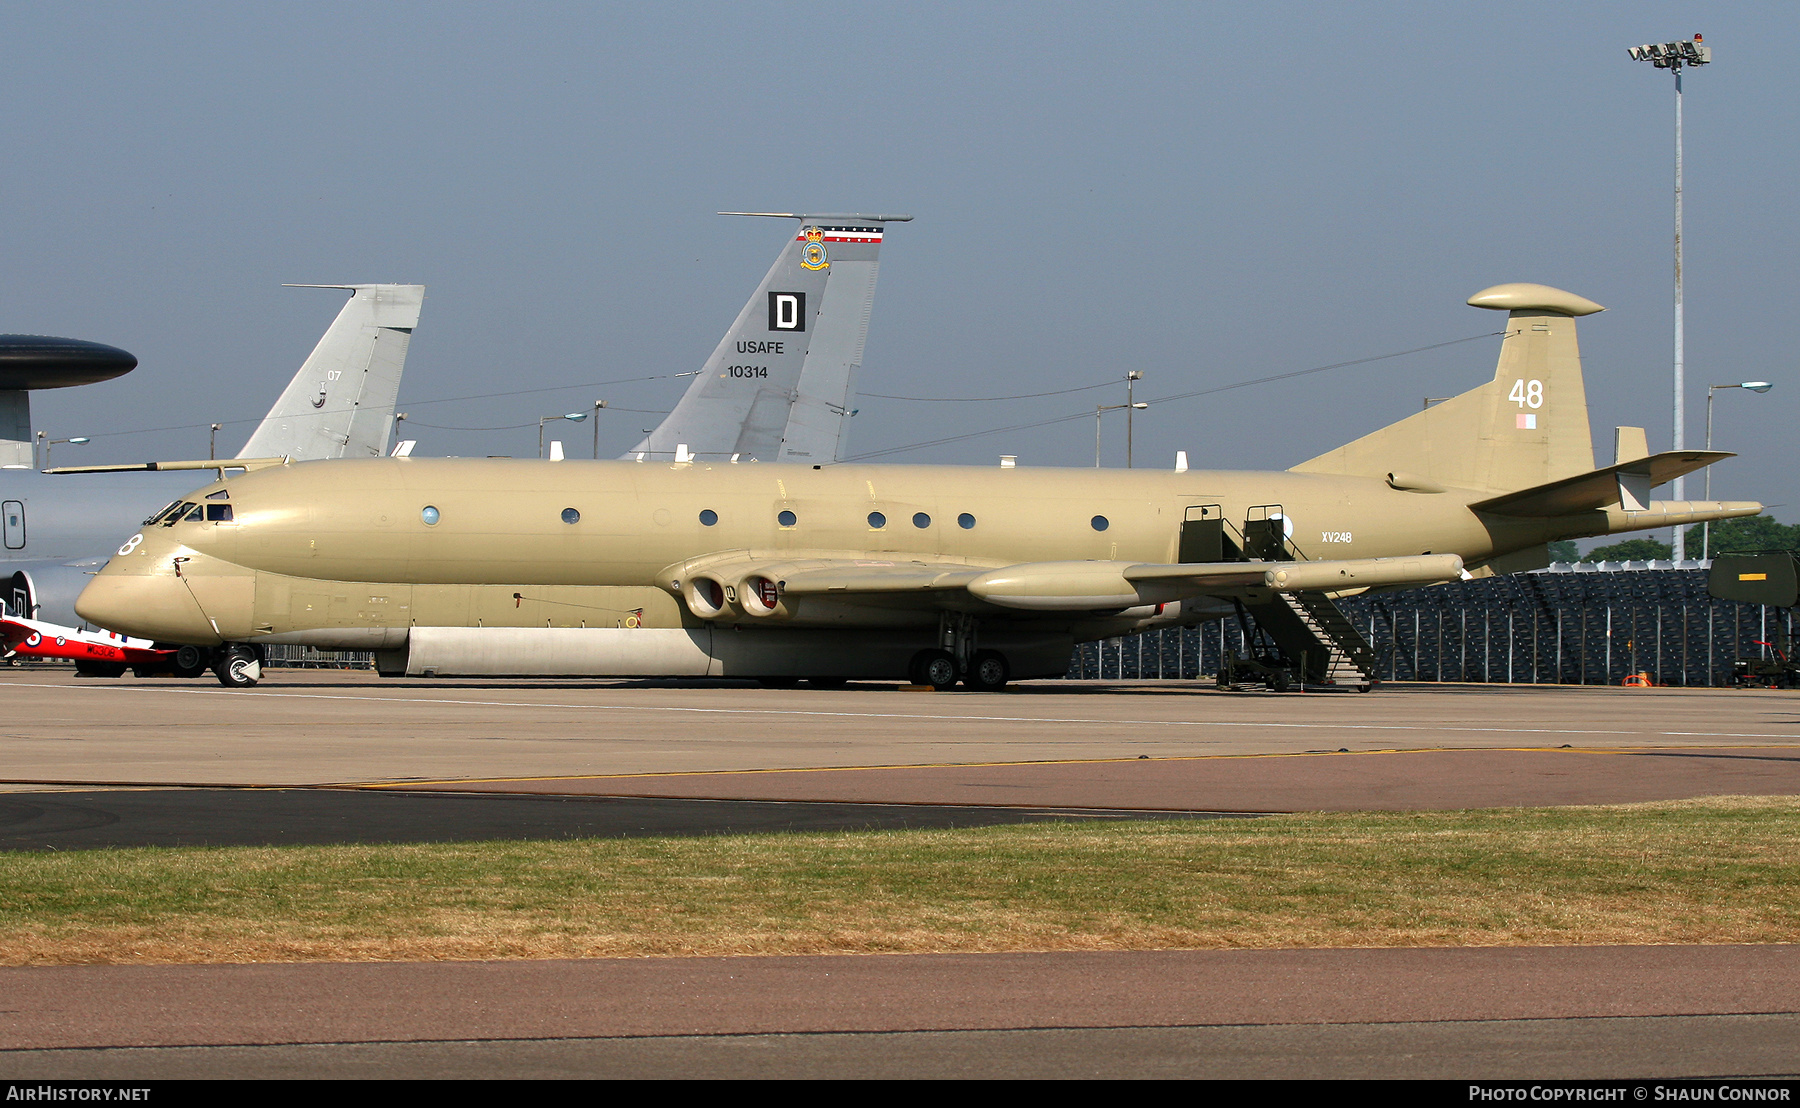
(166, 509)
(222, 494)
(173, 514)
(195, 516)
(218, 513)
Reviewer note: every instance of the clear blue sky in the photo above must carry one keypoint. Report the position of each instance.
(1206, 192)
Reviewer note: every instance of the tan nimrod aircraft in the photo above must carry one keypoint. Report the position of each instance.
(450, 566)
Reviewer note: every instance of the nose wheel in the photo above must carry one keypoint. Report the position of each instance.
(239, 667)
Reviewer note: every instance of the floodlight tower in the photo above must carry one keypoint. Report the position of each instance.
(1674, 56)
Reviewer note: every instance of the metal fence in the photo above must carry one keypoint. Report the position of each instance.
(1558, 626)
(305, 657)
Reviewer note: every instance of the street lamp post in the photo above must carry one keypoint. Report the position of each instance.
(1674, 56)
(79, 441)
(1706, 528)
(1131, 378)
(598, 404)
(1101, 409)
(572, 417)
(212, 441)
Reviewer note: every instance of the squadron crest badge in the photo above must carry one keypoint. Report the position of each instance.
(812, 255)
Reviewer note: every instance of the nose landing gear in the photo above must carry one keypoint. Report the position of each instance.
(238, 666)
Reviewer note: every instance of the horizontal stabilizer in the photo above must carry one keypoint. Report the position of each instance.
(1627, 484)
(220, 464)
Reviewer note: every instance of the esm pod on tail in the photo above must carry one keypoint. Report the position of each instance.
(941, 573)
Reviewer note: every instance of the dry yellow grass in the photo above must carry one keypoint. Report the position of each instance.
(1708, 871)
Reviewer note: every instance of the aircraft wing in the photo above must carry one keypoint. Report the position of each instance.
(775, 588)
(34, 638)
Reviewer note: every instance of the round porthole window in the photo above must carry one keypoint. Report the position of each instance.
(1100, 523)
(430, 516)
(920, 519)
(966, 521)
(708, 517)
(570, 515)
(877, 520)
(787, 518)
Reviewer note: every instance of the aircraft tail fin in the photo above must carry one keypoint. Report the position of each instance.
(779, 386)
(1525, 428)
(341, 403)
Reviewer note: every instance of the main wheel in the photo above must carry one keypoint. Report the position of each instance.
(988, 671)
(189, 661)
(937, 669)
(239, 667)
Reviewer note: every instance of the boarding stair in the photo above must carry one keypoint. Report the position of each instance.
(1314, 642)
(1319, 640)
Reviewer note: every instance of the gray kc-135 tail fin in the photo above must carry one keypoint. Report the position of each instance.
(779, 386)
(341, 403)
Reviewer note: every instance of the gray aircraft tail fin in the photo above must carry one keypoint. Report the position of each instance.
(1526, 427)
(341, 403)
(780, 384)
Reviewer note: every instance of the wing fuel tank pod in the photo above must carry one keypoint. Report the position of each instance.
(1058, 587)
(1362, 573)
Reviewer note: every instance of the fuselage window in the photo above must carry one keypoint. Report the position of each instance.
(965, 521)
(429, 515)
(877, 520)
(1100, 523)
(14, 520)
(708, 517)
(195, 516)
(570, 515)
(174, 516)
(218, 513)
(921, 520)
(787, 518)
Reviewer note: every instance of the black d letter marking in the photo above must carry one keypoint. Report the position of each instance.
(787, 311)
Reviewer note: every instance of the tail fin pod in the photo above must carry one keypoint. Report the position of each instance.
(341, 403)
(1528, 426)
(779, 385)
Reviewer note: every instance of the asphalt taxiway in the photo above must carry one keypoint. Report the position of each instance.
(314, 756)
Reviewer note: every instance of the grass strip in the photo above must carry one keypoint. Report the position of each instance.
(1718, 870)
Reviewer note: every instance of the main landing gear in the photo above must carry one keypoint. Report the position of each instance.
(958, 660)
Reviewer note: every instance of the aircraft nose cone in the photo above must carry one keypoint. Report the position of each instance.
(159, 608)
(138, 593)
